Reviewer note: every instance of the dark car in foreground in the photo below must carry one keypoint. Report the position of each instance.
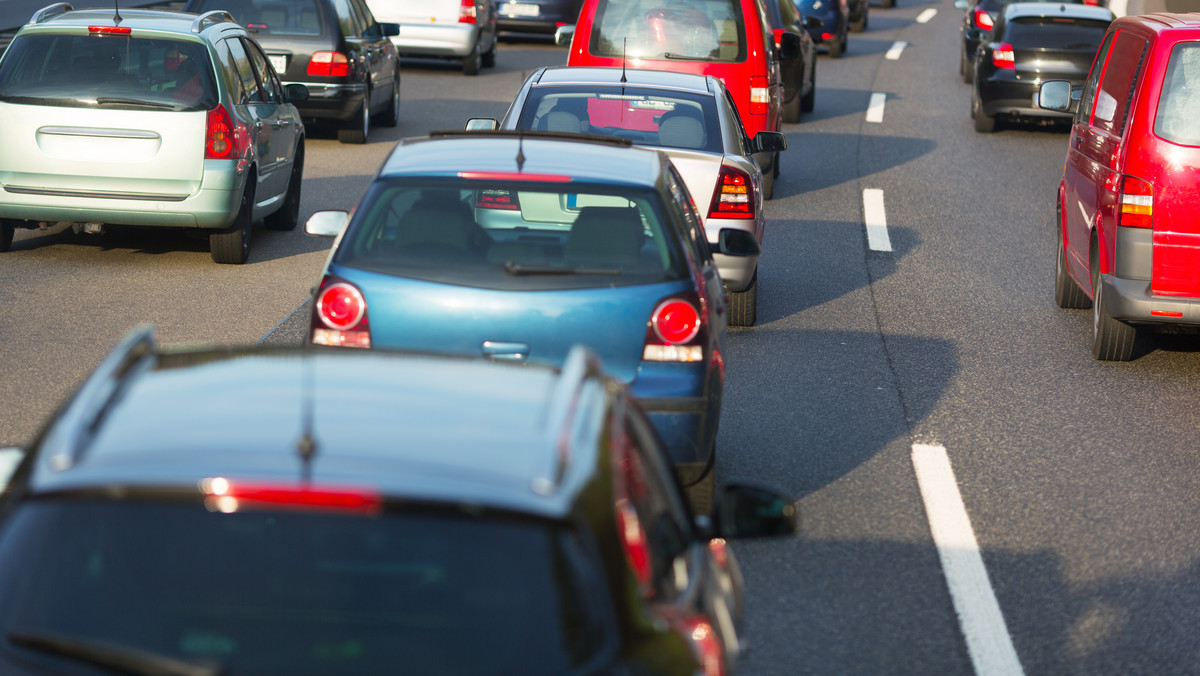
(351, 512)
(336, 48)
(1033, 42)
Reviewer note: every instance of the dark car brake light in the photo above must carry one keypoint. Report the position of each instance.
(498, 199)
(733, 196)
(331, 64)
(466, 11)
(227, 496)
(1003, 56)
(705, 644)
(982, 20)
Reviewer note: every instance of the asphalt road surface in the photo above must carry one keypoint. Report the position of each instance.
(1078, 544)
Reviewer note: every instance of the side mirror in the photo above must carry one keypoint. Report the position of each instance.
(769, 142)
(789, 46)
(1057, 95)
(10, 458)
(482, 124)
(295, 92)
(744, 510)
(326, 223)
(564, 35)
(960, 4)
(733, 242)
(389, 29)
(812, 23)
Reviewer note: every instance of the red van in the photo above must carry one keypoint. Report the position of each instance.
(1129, 200)
(728, 39)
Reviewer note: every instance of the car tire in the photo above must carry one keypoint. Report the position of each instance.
(860, 25)
(743, 305)
(288, 214)
(6, 235)
(964, 67)
(489, 57)
(809, 100)
(836, 49)
(791, 109)
(233, 246)
(1067, 293)
(1112, 339)
(390, 117)
(887, 4)
(472, 62)
(984, 123)
(357, 129)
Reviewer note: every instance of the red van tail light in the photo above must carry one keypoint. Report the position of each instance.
(759, 95)
(340, 316)
(223, 140)
(705, 644)
(733, 197)
(1137, 203)
(982, 19)
(466, 11)
(675, 331)
(1003, 56)
(332, 64)
(778, 35)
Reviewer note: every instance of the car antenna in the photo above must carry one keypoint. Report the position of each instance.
(624, 41)
(116, 12)
(307, 446)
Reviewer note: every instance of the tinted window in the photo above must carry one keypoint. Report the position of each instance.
(350, 22)
(1057, 32)
(514, 236)
(431, 593)
(117, 72)
(272, 90)
(1178, 117)
(692, 29)
(649, 117)
(251, 89)
(286, 18)
(1116, 89)
(1089, 90)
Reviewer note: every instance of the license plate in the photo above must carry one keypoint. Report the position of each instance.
(278, 62)
(518, 9)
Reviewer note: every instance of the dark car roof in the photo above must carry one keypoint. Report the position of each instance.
(411, 426)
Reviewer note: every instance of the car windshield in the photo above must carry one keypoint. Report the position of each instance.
(281, 18)
(499, 234)
(298, 592)
(120, 72)
(647, 117)
(1178, 117)
(707, 30)
(1055, 32)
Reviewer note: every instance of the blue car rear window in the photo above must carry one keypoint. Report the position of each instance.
(513, 235)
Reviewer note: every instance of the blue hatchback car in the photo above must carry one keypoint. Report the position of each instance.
(517, 245)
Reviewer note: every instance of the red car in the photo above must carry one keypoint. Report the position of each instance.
(1128, 233)
(728, 39)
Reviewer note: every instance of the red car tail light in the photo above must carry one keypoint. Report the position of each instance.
(675, 332)
(340, 316)
(733, 196)
(1003, 57)
(332, 64)
(224, 495)
(633, 540)
(759, 95)
(705, 644)
(466, 11)
(1137, 203)
(223, 140)
(982, 19)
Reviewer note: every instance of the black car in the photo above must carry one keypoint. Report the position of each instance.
(1033, 42)
(978, 19)
(291, 511)
(799, 74)
(536, 16)
(834, 17)
(336, 48)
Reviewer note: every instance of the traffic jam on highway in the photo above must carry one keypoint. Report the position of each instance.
(496, 451)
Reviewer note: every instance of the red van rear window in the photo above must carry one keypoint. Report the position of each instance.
(1178, 118)
(700, 30)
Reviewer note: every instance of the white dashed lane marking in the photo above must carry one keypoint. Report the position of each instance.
(875, 107)
(893, 54)
(983, 627)
(925, 16)
(875, 218)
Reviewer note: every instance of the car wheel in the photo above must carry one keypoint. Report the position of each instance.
(743, 305)
(860, 24)
(489, 57)
(887, 4)
(964, 67)
(286, 217)
(791, 109)
(1067, 293)
(390, 116)
(359, 127)
(6, 235)
(984, 123)
(1112, 339)
(809, 100)
(838, 47)
(472, 62)
(233, 247)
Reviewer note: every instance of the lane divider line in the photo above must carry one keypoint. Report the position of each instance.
(983, 627)
(925, 16)
(875, 107)
(893, 54)
(875, 218)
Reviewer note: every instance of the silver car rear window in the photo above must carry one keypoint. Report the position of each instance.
(122, 72)
(694, 30)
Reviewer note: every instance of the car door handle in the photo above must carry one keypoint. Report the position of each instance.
(505, 351)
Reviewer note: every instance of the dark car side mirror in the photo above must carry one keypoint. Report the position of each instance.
(295, 92)
(389, 29)
(733, 242)
(769, 142)
(789, 46)
(1059, 95)
(745, 510)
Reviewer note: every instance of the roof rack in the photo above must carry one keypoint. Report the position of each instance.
(50, 11)
(529, 134)
(581, 366)
(82, 415)
(215, 16)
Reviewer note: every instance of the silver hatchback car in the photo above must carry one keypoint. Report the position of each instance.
(146, 118)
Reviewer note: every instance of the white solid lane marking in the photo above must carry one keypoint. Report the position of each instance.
(893, 54)
(875, 218)
(988, 641)
(925, 16)
(875, 107)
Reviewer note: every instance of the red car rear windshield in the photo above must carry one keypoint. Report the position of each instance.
(702, 30)
(1178, 119)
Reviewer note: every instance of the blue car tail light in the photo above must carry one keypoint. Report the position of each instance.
(676, 331)
(340, 316)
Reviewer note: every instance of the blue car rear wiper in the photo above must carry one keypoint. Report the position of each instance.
(516, 269)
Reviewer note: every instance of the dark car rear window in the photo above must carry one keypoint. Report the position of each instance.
(298, 592)
(498, 234)
(1055, 32)
(108, 72)
(265, 18)
(1178, 117)
(645, 116)
(707, 30)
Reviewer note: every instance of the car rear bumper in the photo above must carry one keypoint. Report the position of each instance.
(436, 40)
(331, 101)
(1132, 300)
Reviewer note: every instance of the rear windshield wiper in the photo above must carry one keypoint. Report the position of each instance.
(517, 269)
(686, 57)
(108, 100)
(112, 656)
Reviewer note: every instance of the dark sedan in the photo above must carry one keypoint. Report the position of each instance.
(799, 74)
(336, 48)
(536, 16)
(1033, 42)
(834, 17)
(978, 19)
